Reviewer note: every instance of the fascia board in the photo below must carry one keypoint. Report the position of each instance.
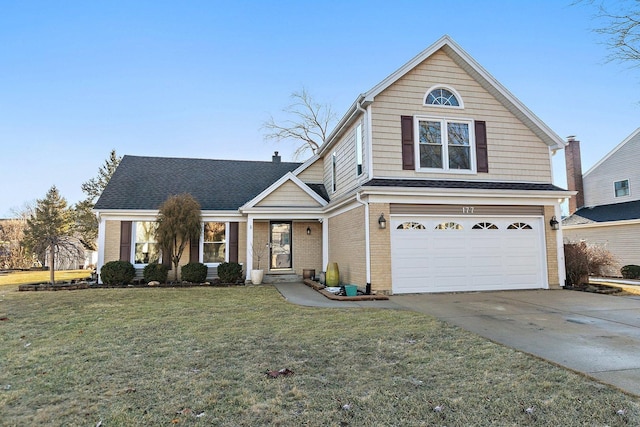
(289, 176)
(612, 152)
(305, 165)
(343, 123)
(462, 192)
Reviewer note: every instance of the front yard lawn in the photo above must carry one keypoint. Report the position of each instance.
(41, 276)
(198, 356)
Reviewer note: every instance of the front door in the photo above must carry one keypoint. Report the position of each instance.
(280, 246)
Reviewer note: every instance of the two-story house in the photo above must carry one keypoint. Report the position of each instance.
(606, 208)
(437, 179)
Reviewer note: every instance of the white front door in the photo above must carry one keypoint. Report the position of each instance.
(454, 254)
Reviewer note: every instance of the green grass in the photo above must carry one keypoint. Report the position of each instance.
(28, 277)
(138, 356)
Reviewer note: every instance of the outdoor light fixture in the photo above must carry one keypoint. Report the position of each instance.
(553, 222)
(308, 231)
(382, 222)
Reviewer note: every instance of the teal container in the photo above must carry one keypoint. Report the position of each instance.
(351, 290)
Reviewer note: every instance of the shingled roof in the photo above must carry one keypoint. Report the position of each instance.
(146, 182)
(605, 213)
(477, 185)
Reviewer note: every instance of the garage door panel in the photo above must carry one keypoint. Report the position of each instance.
(466, 259)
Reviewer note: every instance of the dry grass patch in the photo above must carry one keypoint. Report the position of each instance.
(140, 356)
(28, 277)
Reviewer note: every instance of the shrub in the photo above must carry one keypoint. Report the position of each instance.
(631, 271)
(582, 259)
(229, 272)
(155, 272)
(194, 272)
(117, 273)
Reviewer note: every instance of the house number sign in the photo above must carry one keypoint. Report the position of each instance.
(467, 209)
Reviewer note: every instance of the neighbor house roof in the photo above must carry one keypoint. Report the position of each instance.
(605, 213)
(475, 70)
(144, 183)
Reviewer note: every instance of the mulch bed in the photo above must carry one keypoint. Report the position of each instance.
(321, 288)
(86, 285)
(596, 289)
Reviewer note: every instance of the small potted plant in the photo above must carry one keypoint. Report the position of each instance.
(257, 274)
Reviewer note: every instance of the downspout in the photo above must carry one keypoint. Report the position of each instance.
(367, 250)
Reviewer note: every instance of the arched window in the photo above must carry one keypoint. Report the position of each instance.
(410, 226)
(485, 226)
(448, 226)
(443, 96)
(519, 226)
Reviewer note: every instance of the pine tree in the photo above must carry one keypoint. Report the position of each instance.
(49, 228)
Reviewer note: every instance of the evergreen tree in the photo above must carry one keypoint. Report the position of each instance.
(49, 229)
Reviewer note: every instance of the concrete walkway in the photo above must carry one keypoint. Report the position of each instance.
(598, 335)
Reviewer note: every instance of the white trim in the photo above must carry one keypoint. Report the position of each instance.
(334, 172)
(369, 142)
(602, 224)
(359, 148)
(444, 121)
(289, 176)
(446, 87)
(201, 244)
(367, 239)
(559, 247)
(249, 249)
(101, 244)
(612, 152)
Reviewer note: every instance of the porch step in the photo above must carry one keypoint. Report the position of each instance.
(282, 278)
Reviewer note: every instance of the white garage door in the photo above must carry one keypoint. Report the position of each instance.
(454, 254)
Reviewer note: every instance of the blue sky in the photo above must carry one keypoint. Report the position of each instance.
(198, 78)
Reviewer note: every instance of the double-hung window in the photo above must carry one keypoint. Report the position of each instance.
(445, 145)
(146, 247)
(214, 242)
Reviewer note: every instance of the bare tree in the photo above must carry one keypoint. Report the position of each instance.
(307, 123)
(12, 253)
(179, 222)
(622, 29)
(49, 229)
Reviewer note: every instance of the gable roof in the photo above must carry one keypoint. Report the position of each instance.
(289, 177)
(634, 135)
(144, 183)
(471, 66)
(605, 213)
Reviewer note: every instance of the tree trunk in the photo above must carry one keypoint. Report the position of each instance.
(51, 265)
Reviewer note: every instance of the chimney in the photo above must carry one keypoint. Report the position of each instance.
(574, 173)
(275, 158)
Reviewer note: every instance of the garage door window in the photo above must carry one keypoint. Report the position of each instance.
(485, 226)
(519, 226)
(448, 226)
(411, 226)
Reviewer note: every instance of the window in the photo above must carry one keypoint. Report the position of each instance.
(519, 226)
(410, 226)
(448, 226)
(443, 96)
(146, 247)
(621, 188)
(214, 243)
(445, 145)
(359, 142)
(333, 172)
(484, 226)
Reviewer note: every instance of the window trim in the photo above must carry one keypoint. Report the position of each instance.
(134, 230)
(334, 171)
(473, 170)
(450, 89)
(359, 141)
(615, 194)
(202, 242)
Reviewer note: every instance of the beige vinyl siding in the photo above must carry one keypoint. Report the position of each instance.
(288, 194)
(345, 149)
(621, 240)
(515, 152)
(347, 248)
(621, 165)
(313, 174)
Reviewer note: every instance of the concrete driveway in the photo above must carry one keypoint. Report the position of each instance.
(598, 335)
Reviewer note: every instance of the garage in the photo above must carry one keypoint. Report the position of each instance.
(466, 253)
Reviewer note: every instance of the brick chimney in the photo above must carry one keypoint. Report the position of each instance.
(276, 157)
(574, 173)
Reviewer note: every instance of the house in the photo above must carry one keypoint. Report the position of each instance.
(435, 180)
(606, 209)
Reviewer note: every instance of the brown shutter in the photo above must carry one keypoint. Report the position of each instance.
(482, 157)
(194, 250)
(125, 241)
(406, 127)
(233, 242)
